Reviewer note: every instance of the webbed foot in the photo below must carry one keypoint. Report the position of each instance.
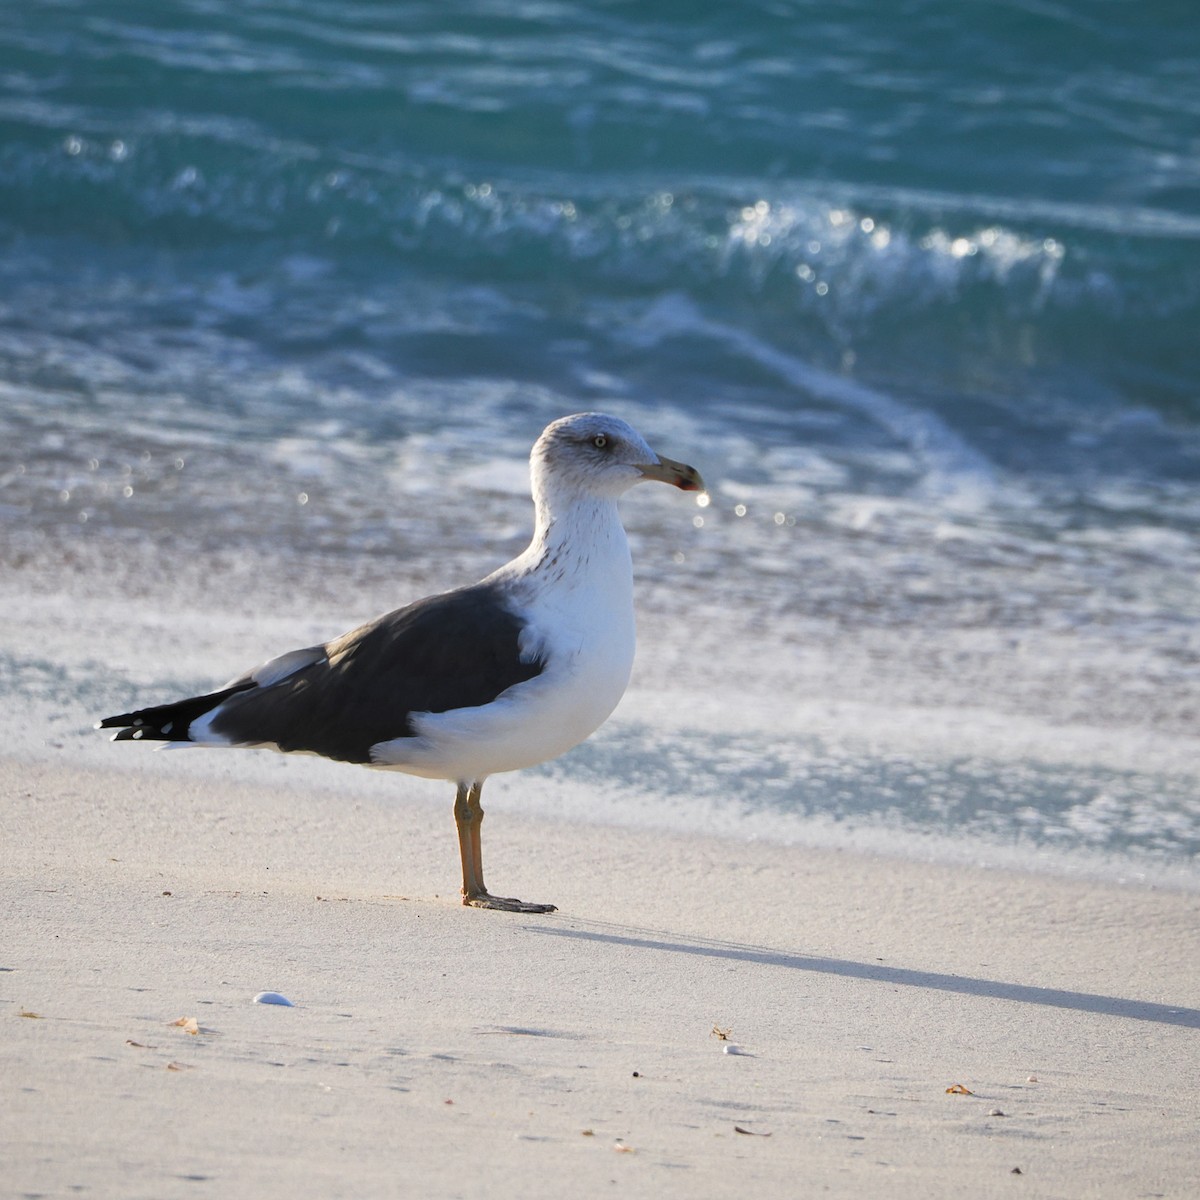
(506, 903)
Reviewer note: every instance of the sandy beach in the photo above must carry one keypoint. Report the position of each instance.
(882, 880)
(702, 1017)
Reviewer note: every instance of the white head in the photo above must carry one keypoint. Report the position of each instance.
(598, 456)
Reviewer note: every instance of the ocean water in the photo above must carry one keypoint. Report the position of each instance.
(287, 288)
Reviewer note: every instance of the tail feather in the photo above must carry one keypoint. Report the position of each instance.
(167, 722)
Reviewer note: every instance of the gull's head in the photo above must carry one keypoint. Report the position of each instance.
(592, 454)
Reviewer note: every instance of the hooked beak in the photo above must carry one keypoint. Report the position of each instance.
(677, 474)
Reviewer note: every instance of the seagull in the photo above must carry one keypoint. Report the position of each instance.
(497, 676)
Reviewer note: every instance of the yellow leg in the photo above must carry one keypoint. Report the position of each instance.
(468, 816)
(472, 876)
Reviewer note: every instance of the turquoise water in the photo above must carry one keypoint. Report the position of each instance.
(918, 286)
(991, 214)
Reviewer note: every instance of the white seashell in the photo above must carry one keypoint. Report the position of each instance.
(273, 998)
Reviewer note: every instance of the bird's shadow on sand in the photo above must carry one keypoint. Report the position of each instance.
(1088, 1002)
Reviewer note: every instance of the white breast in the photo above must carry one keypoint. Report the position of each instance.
(580, 623)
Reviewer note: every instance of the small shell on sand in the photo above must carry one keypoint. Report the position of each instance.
(273, 998)
(734, 1048)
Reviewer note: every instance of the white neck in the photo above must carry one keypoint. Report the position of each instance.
(581, 543)
(581, 538)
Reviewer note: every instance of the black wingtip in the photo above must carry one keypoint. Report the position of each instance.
(168, 722)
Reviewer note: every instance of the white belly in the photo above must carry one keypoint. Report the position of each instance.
(586, 674)
(579, 614)
(528, 724)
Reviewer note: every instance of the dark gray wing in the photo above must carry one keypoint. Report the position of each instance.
(457, 650)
